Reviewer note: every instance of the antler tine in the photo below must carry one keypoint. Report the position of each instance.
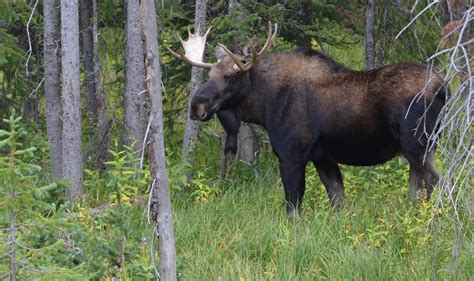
(255, 56)
(236, 59)
(193, 49)
(181, 40)
(271, 37)
(207, 32)
(173, 53)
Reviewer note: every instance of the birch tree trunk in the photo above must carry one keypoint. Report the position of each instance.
(135, 96)
(71, 99)
(369, 35)
(161, 196)
(197, 76)
(52, 85)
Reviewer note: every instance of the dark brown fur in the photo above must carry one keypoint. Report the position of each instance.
(315, 109)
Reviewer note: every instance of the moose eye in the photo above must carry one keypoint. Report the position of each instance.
(229, 76)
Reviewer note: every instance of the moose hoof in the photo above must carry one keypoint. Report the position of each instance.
(293, 214)
(418, 195)
(337, 201)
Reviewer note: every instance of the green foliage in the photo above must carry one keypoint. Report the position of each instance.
(18, 174)
(23, 199)
(14, 84)
(125, 179)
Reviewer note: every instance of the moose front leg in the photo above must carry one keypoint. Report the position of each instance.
(331, 177)
(292, 176)
(231, 124)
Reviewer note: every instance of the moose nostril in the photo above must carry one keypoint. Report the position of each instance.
(199, 111)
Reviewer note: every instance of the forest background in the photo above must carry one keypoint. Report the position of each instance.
(228, 215)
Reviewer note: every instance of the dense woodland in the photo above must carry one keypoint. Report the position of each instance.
(103, 175)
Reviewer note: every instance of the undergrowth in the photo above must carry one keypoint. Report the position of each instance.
(231, 230)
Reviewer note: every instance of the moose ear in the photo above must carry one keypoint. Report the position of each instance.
(247, 49)
(220, 53)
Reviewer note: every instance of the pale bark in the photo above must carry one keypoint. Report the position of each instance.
(135, 95)
(161, 193)
(12, 242)
(369, 35)
(247, 144)
(52, 85)
(71, 99)
(197, 76)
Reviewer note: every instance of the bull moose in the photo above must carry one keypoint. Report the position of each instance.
(315, 109)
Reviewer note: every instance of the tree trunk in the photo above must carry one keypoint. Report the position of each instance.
(135, 94)
(30, 103)
(12, 242)
(52, 85)
(71, 99)
(88, 59)
(247, 143)
(103, 124)
(197, 76)
(161, 194)
(383, 38)
(369, 35)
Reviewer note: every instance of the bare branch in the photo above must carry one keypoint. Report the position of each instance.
(30, 48)
(416, 17)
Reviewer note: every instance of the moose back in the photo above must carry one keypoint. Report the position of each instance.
(315, 109)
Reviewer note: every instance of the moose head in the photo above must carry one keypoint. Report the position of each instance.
(226, 82)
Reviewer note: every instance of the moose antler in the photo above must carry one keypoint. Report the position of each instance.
(193, 49)
(255, 56)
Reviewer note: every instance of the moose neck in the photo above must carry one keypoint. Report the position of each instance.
(278, 76)
(252, 107)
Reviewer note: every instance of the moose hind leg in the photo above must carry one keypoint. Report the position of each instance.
(416, 183)
(431, 175)
(415, 132)
(292, 176)
(331, 177)
(423, 174)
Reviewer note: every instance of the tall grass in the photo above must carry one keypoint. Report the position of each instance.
(243, 234)
(238, 229)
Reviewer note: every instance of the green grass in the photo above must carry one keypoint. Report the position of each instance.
(243, 234)
(238, 229)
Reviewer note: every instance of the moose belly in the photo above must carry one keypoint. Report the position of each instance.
(357, 151)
